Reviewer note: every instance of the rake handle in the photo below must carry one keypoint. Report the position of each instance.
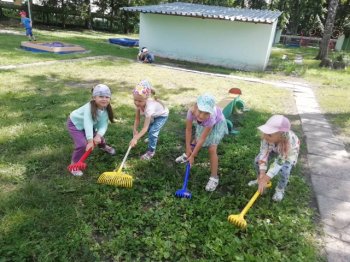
(252, 200)
(187, 174)
(86, 154)
(250, 203)
(124, 159)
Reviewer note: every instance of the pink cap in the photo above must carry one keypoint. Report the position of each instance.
(276, 123)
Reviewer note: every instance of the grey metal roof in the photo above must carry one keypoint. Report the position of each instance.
(208, 11)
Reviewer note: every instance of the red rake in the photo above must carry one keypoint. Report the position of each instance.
(80, 165)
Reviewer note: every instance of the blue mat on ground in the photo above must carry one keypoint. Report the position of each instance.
(124, 41)
(34, 50)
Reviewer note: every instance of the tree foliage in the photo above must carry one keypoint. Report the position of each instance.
(298, 16)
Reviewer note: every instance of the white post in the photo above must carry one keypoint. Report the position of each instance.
(29, 12)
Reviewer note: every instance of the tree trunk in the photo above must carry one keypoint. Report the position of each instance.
(1, 13)
(88, 20)
(63, 16)
(111, 16)
(294, 18)
(332, 10)
(125, 21)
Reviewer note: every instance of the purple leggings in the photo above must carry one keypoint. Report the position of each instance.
(80, 141)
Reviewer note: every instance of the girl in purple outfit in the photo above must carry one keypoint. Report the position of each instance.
(88, 124)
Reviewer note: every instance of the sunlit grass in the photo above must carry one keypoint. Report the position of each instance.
(12, 172)
(12, 220)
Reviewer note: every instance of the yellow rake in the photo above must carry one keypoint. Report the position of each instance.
(239, 220)
(117, 177)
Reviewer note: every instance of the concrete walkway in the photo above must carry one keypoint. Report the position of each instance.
(327, 159)
(330, 175)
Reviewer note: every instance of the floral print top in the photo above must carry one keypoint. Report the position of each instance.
(291, 157)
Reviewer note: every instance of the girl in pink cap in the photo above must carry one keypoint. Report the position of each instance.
(210, 129)
(88, 124)
(280, 143)
(156, 115)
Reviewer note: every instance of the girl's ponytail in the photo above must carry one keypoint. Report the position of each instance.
(153, 93)
(93, 110)
(110, 113)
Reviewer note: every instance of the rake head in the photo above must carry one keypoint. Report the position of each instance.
(183, 193)
(77, 166)
(237, 220)
(116, 179)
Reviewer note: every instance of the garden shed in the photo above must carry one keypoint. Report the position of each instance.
(222, 36)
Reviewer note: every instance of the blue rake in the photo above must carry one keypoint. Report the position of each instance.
(183, 192)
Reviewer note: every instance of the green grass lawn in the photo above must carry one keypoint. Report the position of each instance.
(48, 215)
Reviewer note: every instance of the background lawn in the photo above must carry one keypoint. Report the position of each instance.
(331, 87)
(48, 215)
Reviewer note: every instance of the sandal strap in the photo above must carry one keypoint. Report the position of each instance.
(216, 180)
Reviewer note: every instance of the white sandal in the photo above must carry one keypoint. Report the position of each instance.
(181, 159)
(279, 194)
(253, 182)
(77, 172)
(212, 184)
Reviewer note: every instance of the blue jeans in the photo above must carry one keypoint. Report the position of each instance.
(153, 132)
(285, 171)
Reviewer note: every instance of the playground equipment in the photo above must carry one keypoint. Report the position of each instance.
(232, 104)
(53, 47)
(303, 40)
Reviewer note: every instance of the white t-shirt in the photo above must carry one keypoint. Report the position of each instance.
(155, 109)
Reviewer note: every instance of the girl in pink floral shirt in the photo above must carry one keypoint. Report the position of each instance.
(280, 143)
